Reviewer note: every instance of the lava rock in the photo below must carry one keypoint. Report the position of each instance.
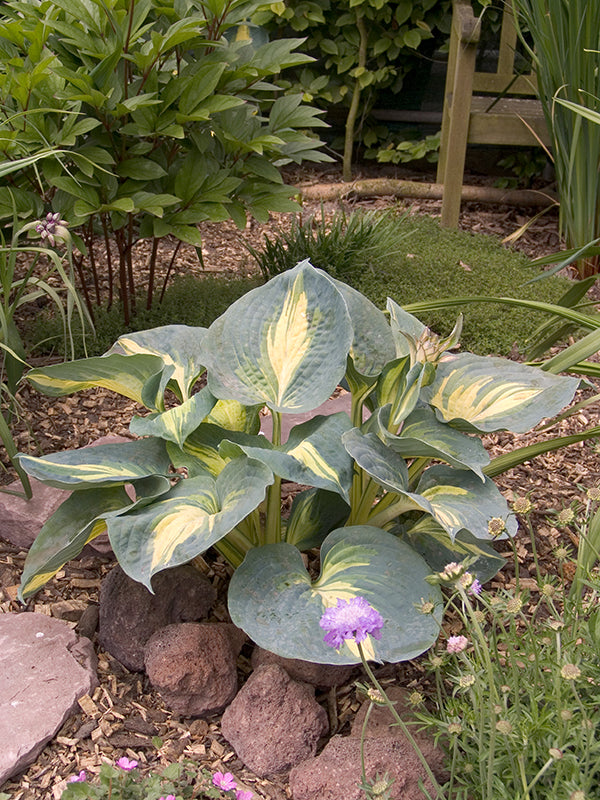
(193, 666)
(322, 676)
(44, 669)
(130, 614)
(274, 722)
(337, 773)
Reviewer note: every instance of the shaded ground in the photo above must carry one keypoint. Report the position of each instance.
(126, 714)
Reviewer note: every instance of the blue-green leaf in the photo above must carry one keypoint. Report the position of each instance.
(312, 454)
(491, 394)
(284, 344)
(128, 375)
(194, 515)
(101, 465)
(272, 598)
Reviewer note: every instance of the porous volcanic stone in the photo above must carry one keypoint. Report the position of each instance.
(336, 772)
(274, 722)
(44, 669)
(193, 665)
(323, 676)
(130, 614)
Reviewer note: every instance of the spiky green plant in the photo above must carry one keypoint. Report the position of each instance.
(566, 47)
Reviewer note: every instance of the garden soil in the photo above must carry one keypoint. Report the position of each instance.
(128, 714)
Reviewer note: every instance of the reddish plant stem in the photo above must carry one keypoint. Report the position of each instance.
(169, 268)
(153, 255)
(109, 263)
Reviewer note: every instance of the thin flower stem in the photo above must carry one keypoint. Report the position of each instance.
(363, 733)
(439, 791)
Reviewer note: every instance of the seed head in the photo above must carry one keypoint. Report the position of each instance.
(514, 605)
(455, 728)
(570, 672)
(565, 517)
(496, 527)
(466, 680)
(593, 493)
(415, 698)
(503, 726)
(522, 506)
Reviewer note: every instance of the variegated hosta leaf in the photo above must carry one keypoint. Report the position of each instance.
(78, 520)
(378, 460)
(284, 344)
(126, 375)
(233, 416)
(63, 536)
(200, 451)
(422, 435)
(399, 385)
(101, 465)
(272, 599)
(180, 348)
(315, 512)
(195, 514)
(438, 549)
(312, 454)
(178, 422)
(404, 326)
(492, 394)
(372, 343)
(459, 499)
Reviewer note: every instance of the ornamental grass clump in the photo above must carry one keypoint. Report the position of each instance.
(399, 482)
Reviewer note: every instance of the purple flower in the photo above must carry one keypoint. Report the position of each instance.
(456, 644)
(242, 794)
(475, 587)
(77, 778)
(224, 781)
(168, 797)
(126, 764)
(350, 619)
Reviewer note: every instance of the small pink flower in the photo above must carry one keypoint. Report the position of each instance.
(224, 781)
(126, 764)
(242, 794)
(78, 778)
(168, 797)
(456, 644)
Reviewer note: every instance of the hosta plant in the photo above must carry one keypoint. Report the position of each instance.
(401, 484)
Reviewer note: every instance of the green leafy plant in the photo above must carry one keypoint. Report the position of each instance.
(395, 493)
(361, 47)
(165, 119)
(516, 690)
(565, 52)
(180, 781)
(407, 150)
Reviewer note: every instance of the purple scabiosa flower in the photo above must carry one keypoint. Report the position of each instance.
(243, 794)
(127, 764)
(456, 644)
(78, 778)
(350, 619)
(52, 227)
(224, 780)
(475, 588)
